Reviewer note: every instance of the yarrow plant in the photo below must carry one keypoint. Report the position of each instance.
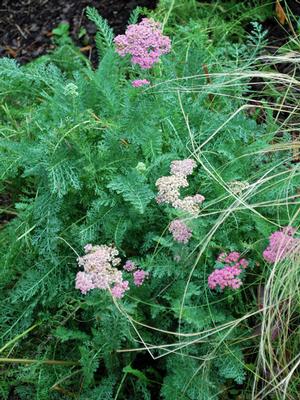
(139, 276)
(100, 272)
(169, 193)
(227, 271)
(144, 42)
(282, 244)
(140, 82)
(96, 184)
(180, 231)
(169, 187)
(183, 167)
(129, 266)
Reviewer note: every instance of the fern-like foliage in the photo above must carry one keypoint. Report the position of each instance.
(134, 189)
(105, 35)
(81, 151)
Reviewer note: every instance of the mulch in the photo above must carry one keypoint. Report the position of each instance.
(26, 25)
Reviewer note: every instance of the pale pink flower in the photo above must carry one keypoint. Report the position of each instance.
(189, 204)
(84, 282)
(183, 167)
(129, 266)
(99, 265)
(119, 289)
(169, 188)
(180, 231)
(139, 277)
(140, 82)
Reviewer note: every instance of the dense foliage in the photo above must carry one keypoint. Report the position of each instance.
(81, 152)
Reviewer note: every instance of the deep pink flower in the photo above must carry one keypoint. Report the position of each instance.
(282, 244)
(232, 257)
(229, 274)
(225, 277)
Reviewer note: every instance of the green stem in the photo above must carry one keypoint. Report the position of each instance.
(6, 211)
(15, 339)
(120, 386)
(32, 361)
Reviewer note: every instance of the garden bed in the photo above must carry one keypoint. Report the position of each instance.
(150, 246)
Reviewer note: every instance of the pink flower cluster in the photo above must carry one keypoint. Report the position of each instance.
(189, 204)
(119, 289)
(229, 274)
(169, 187)
(169, 193)
(180, 231)
(139, 275)
(140, 82)
(183, 167)
(144, 42)
(129, 266)
(99, 271)
(282, 244)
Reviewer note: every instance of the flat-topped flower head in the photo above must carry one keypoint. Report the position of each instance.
(144, 42)
(84, 282)
(129, 266)
(282, 244)
(140, 82)
(232, 257)
(228, 271)
(189, 204)
(169, 188)
(99, 269)
(180, 231)
(139, 276)
(225, 277)
(119, 289)
(183, 167)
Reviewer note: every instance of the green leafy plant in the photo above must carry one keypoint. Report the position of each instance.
(81, 153)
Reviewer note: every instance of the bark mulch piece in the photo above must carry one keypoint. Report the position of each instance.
(26, 25)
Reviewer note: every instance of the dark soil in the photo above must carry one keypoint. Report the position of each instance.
(26, 25)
